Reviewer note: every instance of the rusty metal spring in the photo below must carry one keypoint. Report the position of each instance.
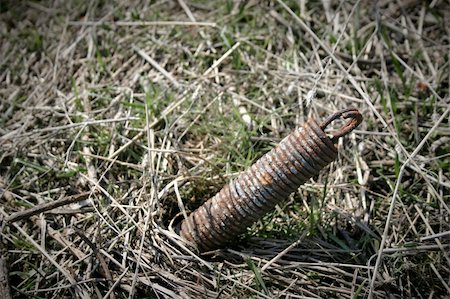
(298, 157)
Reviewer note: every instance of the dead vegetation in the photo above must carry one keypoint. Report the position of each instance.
(137, 111)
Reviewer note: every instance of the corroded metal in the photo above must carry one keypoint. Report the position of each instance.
(298, 157)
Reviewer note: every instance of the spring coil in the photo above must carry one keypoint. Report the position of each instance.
(297, 158)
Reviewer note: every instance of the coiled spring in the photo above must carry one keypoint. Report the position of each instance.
(298, 157)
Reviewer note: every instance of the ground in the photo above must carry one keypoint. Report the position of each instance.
(135, 111)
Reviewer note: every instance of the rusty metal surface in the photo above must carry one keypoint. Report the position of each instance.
(298, 157)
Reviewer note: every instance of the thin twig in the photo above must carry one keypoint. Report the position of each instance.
(142, 23)
(433, 267)
(222, 58)
(116, 283)
(156, 66)
(104, 269)
(281, 254)
(40, 208)
(65, 127)
(435, 236)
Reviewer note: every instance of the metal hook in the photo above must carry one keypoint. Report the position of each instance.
(356, 119)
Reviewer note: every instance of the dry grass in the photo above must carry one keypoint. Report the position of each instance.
(149, 108)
